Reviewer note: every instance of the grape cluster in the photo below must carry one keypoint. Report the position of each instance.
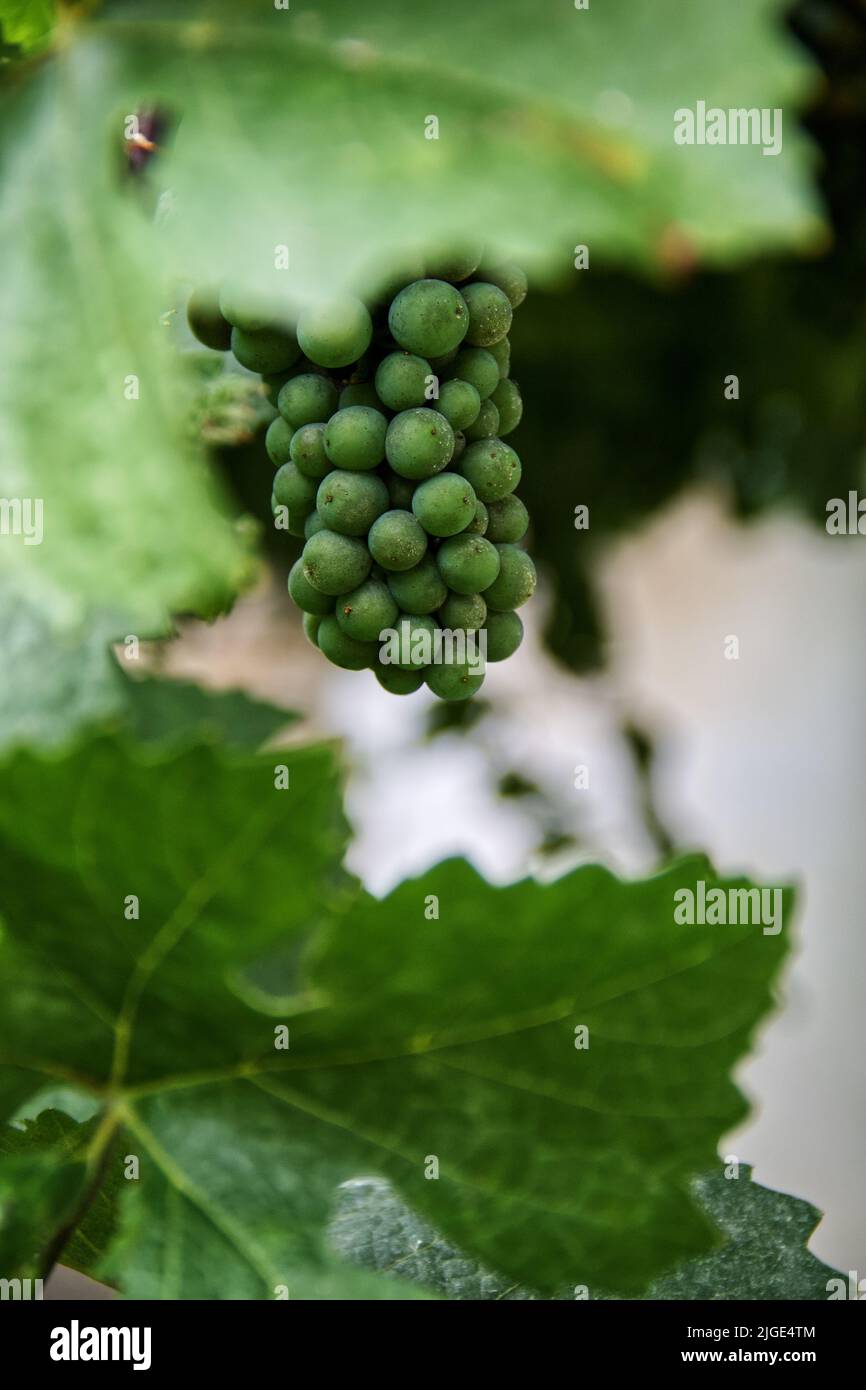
(391, 463)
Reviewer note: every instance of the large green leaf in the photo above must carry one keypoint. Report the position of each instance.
(306, 129)
(764, 1255)
(415, 1039)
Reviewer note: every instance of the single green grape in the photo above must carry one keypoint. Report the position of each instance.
(504, 635)
(367, 611)
(350, 502)
(355, 437)
(443, 361)
(266, 351)
(400, 490)
(507, 520)
(459, 446)
(428, 317)
(509, 278)
(397, 541)
(466, 611)
(402, 379)
(311, 623)
(398, 680)
(343, 650)
(308, 450)
(420, 589)
(359, 393)
(205, 320)
(335, 564)
(246, 307)
(278, 441)
(456, 264)
(468, 564)
(489, 314)
(313, 524)
(414, 635)
(492, 468)
(515, 582)
(306, 399)
(486, 424)
(479, 523)
(444, 505)
(451, 681)
(335, 333)
(479, 367)
(419, 443)
(460, 403)
(295, 492)
(509, 403)
(307, 598)
(501, 353)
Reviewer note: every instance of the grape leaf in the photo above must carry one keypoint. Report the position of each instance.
(52, 1149)
(415, 1040)
(764, 1255)
(26, 24)
(169, 712)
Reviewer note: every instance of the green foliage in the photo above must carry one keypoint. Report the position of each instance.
(764, 1254)
(551, 1170)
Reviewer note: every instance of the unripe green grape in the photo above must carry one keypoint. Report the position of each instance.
(205, 320)
(466, 611)
(478, 524)
(308, 450)
(489, 314)
(397, 541)
(459, 446)
(245, 307)
(468, 564)
(492, 468)
(419, 443)
(399, 680)
(311, 624)
(359, 393)
(486, 424)
(479, 367)
(336, 333)
(350, 502)
(400, 490)
(515, 582)
(355, 438)
(313, 524)
(307, 598)
(504, 635)
(444, 360)
(292, 490)
(367, 611)
(509, 403)
(459, 402)
(401, 380)
(444, 505)
(428, 317)
(501, 353)
(266, 351)
(509, 278)
(278, 441)
(419, 590)
(415, 634)
(453, 682)
(342, 650)
(335, 564)
(306, 399)
(455, 264)
(507, 521)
